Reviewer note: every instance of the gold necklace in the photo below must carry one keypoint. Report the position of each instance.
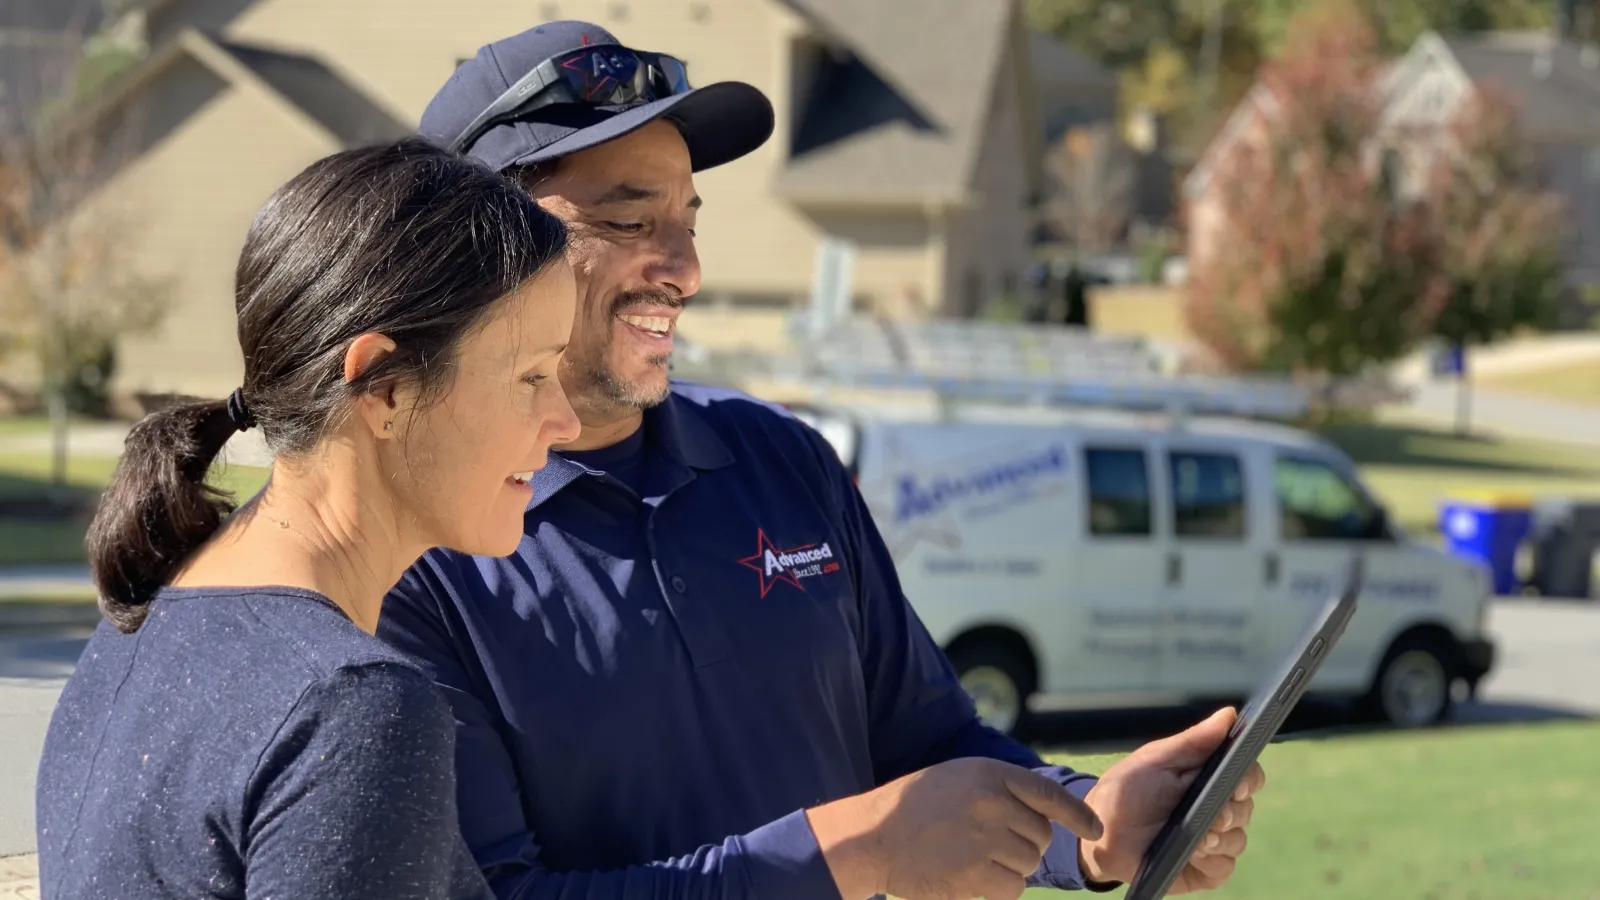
(284, 525)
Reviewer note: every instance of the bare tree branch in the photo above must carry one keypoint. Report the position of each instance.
(71, 286)
(1094, 177)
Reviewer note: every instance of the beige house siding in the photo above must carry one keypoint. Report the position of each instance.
(898, 256)
(749, 244)
(194, 196)
(230, 140)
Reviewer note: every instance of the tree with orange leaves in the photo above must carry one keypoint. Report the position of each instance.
(1325, 264)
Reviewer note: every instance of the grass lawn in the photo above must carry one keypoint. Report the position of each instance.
(33, 541)
(1503, 812)
(1577, 383)
(37, 599)
(1410, 467)
(25, 543)
(1413, 468)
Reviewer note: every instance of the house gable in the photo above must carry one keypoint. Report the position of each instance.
(1258, 104)
(913, 129)
(1425, 88)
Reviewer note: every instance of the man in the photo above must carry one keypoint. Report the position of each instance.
(698, 675)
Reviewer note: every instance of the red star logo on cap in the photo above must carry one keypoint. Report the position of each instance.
(759, 563)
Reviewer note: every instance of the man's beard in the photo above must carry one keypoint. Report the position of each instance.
(605, 382)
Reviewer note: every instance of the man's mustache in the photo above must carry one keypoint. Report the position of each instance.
(642, 298)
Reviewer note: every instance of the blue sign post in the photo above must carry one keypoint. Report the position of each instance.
(1451, 360)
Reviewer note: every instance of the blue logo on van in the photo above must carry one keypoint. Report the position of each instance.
(1004, 481)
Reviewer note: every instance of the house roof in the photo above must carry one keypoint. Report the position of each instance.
(1260, 100)
(1561, 98)
(301, 84)
(904, 119)
(1053, 60)
(321, 93)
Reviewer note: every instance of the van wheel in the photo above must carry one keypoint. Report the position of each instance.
(998, 679)
(1414, 685)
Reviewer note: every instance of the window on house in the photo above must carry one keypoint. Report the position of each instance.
(1393, 171)
(808, 62)
(972, 293)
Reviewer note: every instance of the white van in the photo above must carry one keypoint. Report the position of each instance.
(1074, 558)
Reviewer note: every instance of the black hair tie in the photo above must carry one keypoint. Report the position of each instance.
(238, 413)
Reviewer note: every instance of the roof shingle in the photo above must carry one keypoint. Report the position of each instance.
(1564, 100)
(906, 118)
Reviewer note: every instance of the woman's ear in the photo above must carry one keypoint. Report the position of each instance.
(378, 406)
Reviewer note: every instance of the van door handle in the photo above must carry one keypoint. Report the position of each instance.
(1271, 572)
(1174, 569)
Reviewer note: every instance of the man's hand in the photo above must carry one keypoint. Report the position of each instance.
(1135, 797)
(959, 829)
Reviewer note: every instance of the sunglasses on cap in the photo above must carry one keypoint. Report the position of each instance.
(604, 75)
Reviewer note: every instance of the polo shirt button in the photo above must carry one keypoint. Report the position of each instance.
(678, 584)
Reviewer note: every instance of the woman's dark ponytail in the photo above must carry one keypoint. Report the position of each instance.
(159, 508)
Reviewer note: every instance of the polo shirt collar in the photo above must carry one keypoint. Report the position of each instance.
(675, 427)
(679, 427)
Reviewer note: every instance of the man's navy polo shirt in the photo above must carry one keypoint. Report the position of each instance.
(656, 685)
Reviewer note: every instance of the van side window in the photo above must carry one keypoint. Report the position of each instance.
(1119, 491)
(1207, 495)
(1317, 502)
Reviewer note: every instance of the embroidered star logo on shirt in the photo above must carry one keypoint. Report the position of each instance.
(788, 566)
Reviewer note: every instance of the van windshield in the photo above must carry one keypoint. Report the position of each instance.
(1317, 501)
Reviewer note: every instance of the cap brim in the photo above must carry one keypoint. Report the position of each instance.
(720, 123)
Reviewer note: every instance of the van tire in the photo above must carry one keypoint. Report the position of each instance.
(999, 675)
(1414, 687)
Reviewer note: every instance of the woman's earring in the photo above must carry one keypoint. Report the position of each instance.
(388, 426)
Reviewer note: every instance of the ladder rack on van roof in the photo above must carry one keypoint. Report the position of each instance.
(982, 349)
(1040, 365)
(1178, 396)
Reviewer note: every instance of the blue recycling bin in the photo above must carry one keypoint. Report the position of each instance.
(1488, 528)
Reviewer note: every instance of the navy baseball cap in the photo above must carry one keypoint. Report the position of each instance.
(720, 122)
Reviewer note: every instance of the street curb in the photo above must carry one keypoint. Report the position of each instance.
(48, 616)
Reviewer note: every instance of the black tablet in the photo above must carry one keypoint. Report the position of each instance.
(1258, 723)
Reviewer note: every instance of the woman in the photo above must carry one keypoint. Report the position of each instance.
(239, 732)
